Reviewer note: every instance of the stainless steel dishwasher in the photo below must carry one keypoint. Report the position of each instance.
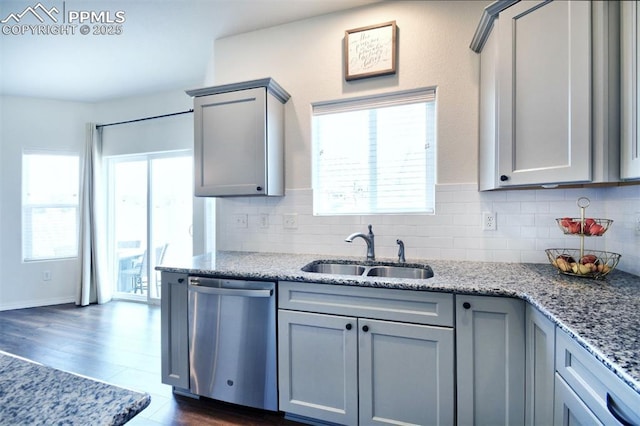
(232, 341)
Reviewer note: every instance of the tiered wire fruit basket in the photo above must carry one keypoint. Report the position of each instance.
(578, 262)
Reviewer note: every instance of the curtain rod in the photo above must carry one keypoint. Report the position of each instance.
(144, 119)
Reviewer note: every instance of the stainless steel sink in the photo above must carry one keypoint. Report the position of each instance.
(370, 269)
(335, 268)
(400, 272)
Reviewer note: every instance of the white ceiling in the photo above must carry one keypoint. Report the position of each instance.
(164, 45)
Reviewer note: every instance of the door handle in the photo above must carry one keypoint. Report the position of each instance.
(615, 412)
(240, 292)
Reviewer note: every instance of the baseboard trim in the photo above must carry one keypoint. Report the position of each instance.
(36, 303)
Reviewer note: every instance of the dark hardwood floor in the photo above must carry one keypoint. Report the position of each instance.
(119, 343)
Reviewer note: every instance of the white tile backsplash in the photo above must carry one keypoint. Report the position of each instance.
(526, 225)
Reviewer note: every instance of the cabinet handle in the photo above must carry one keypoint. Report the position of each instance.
(466, 305)
(348, 326)
(259, 188)
(504, 178)
(611, 406)
(365, 328)
(180, 280)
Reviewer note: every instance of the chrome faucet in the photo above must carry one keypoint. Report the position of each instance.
(401, 258)
(371, 252)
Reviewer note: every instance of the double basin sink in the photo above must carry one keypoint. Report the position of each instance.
(370, 269)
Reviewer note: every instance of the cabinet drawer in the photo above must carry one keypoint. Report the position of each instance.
(419, 307)
(569, 409)
(610, 399)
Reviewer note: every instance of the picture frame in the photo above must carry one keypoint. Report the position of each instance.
(370, 51)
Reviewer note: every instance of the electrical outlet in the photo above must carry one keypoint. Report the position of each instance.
(46, 275)
(637, 223)
(264, 220)
(290, 221)
(240, 220)
(489, 222)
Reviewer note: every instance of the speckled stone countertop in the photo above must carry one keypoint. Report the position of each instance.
(602, 316)
(33, 394)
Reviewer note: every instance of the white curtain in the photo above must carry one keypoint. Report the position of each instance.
(94, 288)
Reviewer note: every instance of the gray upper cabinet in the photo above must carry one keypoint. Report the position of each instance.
(548, 94)
(239, 139)
(630, 147)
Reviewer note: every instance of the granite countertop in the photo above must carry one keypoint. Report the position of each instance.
(603, 316)
(34, 394)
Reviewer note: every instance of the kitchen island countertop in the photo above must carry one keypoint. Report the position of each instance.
(34, 394)
(603, 316)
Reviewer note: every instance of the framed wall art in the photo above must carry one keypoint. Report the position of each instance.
(370, 51)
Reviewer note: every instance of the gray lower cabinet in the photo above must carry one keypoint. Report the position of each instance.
(539, 368)
(405, 373)
(490, 355)
(350, 368)
(318, 359)
(587, 392)
(174, 330)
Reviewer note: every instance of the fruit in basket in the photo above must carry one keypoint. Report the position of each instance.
(565, 221)
(588, 226)
(596, 229)
(567, 258)
(584, 269)
(563, 264)
(593, 264)
(574, 227)
(580, 269)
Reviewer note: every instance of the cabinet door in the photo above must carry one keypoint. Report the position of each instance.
(569, 408)
(544, 93)
(230, 143)
(490, 358)
(405, 374)
(540, 368)
(630, 148)
(318, 366)
(174, 330)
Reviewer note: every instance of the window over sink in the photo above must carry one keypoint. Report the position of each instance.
(375, 154)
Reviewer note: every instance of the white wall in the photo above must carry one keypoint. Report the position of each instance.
(305, 57)
(28, 123)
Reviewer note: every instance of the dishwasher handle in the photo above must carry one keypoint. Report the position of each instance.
(241, 292)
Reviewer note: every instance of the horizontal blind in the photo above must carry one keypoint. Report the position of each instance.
(375, 155)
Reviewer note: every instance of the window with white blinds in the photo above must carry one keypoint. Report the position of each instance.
(375, 155)
(50, 205)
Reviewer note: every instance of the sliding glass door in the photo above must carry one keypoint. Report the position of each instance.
(150, 204)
